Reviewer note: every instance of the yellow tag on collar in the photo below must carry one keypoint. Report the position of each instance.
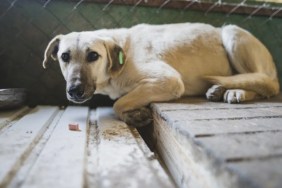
(120, 58)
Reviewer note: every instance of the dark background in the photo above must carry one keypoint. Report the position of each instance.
(26, 27)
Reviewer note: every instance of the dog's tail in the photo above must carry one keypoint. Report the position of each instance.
(257, 82)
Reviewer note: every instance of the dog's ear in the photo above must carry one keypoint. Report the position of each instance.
(116, 58)
(51, 50)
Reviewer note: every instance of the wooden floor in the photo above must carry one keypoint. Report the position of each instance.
(202, 144)
(37, 149)
(207, 144)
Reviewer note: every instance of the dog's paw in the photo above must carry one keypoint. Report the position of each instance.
(215, 93)
(234, 96)
(138, 117)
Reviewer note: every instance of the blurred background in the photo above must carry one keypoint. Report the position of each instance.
(26, 27)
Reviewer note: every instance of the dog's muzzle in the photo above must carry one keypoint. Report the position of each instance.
(77, 94)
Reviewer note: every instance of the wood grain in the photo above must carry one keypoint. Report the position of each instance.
(122, 158)
(18, 141)
(38, 150)
(233, 143)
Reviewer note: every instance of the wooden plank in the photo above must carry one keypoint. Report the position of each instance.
(23, 172)
(216, 127)
(219, 142)
(202, 118)
(121, 161)
(265, 173)
(238, 146)
(221, 114)
(18, 140)
(230, 132)
(191, 103)
(187, 162)
(8, 116)
(61, 163)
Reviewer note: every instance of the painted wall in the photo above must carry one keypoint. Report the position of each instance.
(27, 27)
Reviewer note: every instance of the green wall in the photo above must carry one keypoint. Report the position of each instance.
(27, 27)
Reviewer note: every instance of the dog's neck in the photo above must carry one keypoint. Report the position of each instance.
(121, 84)
(111, 88)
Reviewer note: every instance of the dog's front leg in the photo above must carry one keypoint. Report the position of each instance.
(133, 108)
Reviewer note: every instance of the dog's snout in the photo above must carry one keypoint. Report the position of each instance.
(76, 91)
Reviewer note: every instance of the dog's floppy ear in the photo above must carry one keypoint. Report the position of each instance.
(116, 58)
(51, 50)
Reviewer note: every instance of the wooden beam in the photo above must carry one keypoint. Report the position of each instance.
(7, 117)
(19, 140)
(61, 163)
(221, 145)
(121, 158)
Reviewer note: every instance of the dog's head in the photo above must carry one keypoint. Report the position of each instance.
(86, 61)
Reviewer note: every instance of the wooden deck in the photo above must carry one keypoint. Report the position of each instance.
(202, 144)
(38, 150)
(207, 144)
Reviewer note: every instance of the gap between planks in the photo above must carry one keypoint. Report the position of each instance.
(119, 155)
(7, 117)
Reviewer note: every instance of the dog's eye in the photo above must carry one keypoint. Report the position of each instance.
(65, 57)
(92, 56)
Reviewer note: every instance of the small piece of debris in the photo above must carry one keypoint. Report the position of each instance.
(74, 127)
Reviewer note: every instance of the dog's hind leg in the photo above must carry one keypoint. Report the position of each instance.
(255, 74)
(218, 93)
(238, 95)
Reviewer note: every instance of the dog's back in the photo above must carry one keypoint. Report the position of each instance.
(200, 51)
(193, 49)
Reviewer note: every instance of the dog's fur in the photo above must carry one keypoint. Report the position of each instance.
(164, 62)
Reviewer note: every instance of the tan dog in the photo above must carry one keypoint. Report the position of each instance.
(148, 63)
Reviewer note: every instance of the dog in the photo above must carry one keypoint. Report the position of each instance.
(155, 63)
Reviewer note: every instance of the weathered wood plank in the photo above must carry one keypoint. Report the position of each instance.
(207, 119)
(23, 172)
(237, 146)
(225, 140)
(220, 114)
(213, 127)
(187, 163)
(265, 173)
(191, 103)
(205, 105)
(18, 140)
(61, 163)
(121, 161)
(7, 116)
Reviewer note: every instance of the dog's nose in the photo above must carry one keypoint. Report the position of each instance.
(76, 91)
